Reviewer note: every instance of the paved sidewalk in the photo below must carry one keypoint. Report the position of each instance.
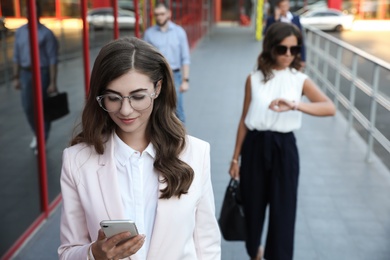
(343, 206)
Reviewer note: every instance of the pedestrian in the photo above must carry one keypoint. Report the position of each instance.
(171, 40)
(265, 157)
(133, 160)
(282, 14)
(22, 70)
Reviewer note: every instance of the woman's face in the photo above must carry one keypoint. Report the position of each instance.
(130, 121)
(284, 60)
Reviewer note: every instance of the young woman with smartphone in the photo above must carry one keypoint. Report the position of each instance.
(265, 157)
(132, 160)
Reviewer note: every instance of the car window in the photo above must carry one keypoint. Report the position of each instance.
(100, 12)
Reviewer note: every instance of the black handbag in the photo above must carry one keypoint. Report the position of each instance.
(56, 106)
(232, 219)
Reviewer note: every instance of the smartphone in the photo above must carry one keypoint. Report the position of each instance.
(113, 227)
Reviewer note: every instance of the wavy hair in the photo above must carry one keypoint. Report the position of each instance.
(275, 34)
(166, 132)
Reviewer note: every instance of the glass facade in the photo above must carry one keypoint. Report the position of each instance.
(368, 9)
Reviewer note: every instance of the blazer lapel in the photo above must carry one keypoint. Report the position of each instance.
(108, 180)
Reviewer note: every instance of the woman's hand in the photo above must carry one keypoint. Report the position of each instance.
(282, 105)
(116, 247)
(234, 170)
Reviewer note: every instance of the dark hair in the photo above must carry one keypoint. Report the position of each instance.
(166, 132)
(161, 4)
(275, 34)
(280, 1)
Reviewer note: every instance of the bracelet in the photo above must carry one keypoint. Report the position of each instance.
(234, 161)
(296, 104)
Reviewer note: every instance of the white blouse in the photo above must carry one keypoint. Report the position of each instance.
(288, 84)
(138, 182)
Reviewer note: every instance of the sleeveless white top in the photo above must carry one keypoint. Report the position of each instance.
(288, 84)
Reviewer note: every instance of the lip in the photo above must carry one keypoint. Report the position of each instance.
(127, 120)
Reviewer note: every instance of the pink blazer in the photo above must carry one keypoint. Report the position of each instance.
(184, 228)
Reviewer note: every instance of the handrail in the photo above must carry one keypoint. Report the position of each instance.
(314, 39)
(349, 47)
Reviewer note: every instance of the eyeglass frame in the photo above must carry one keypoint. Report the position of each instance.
(297, 49)
(100, 98)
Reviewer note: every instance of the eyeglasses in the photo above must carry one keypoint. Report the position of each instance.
(282, 49)
(159, 14)
(113, 102)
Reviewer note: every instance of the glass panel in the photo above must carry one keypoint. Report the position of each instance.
(230, 10)
(19, 195)
(7, 7)
(70, 8)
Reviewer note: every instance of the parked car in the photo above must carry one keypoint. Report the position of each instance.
(317, 5)
(100, 18)
(328, 19)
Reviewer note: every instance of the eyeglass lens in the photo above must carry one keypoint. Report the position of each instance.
(282, 49)
(113, 102)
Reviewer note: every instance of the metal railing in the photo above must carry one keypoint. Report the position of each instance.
(358, 82)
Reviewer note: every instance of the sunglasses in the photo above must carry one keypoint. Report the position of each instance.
(282, 49)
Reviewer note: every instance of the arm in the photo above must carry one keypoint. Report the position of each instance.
(241, 132)
(53, 79)
(16, 67)
(185, 75)
(52, 53)
(15, 77)
(75, 238)
(207, 235)
(319, 105)
(185, 60)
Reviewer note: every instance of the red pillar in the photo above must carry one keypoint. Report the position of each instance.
(39, 121)
(217, 8)
(85, 45)
(58, 9)
(335, 4)
(136, 9)
(115, 13)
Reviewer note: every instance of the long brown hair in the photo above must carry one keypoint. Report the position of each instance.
(273, 37)
(166, 132)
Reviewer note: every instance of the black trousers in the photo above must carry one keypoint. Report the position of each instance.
(269, 177)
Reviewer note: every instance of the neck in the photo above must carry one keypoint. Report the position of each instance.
(137, 141)
(164, 27)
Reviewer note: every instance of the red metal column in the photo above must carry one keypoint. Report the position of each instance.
(58, 9)
(137, 34)
(85, 45)
(336, 4)
(38, 108)
(150, 12)
(115, 13)
(17, 9)
(217, 8)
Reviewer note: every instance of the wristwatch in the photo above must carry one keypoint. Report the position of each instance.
(186, 79)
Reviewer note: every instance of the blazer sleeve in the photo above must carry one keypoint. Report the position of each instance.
(270, 20)
(297, 22)
(207, 234)
(75, 239)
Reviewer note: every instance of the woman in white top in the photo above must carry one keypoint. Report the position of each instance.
(133, 160)
(265, 145)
